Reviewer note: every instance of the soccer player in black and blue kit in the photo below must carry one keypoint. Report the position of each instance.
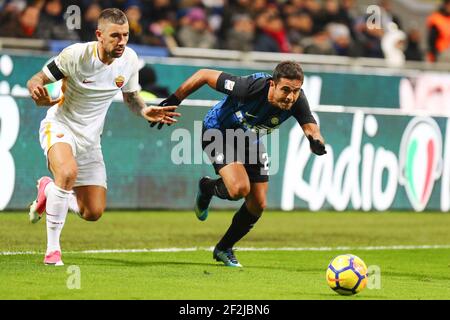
(254, 105)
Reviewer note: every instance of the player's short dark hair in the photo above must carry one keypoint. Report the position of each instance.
(113, 15)
(289, 70)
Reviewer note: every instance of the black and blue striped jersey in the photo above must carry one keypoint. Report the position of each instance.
(246, 105)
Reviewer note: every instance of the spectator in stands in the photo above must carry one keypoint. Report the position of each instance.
(52, 24)
(233, 8)
(154, 10)
(313, 8)
(9, 16)
(195, 31)
(297, 26)
(438, 25)
(271, 35)
(319, 43)
(347, 15)
(134, 14)
(387, 15)
(21, 24)
(90, 19)
(161, 33)
(242, 34)
(300, 27)
(119, 4)
(259, 6)
(291, 7)
(369, 37)
(328, 14)
(215, 10)
(13, 6)
(413, 51)
(186, 5)
(342, 40)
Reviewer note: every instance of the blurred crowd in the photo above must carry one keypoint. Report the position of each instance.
(327, 27)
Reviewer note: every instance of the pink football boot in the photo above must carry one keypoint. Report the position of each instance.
(37, 208)
(53, 258)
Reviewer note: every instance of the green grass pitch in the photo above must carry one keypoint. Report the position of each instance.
(412, 273)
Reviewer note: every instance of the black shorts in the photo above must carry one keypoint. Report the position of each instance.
(233, 146)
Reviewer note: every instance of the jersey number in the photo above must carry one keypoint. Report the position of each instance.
(265, 157)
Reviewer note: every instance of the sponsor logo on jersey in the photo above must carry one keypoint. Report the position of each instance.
(88, 81)
(229, 85)
(120, 80)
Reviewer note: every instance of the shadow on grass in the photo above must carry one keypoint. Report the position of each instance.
(94, 261)
(291, 269)
(335, 296)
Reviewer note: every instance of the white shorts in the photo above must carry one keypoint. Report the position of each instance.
(91, 167)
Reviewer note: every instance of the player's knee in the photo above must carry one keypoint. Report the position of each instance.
(239, 191)
(257, 206)
(67, 176)
(93, 214)
(261, 205)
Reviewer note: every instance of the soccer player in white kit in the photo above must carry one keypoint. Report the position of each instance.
(92, 74)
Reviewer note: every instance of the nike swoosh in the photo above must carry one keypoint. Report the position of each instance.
(88, 81)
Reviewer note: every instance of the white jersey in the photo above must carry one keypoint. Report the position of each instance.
(89, 87)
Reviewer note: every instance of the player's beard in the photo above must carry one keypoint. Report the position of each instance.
(117, 52)
(282, 104)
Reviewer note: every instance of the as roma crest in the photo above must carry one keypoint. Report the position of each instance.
(119, 81)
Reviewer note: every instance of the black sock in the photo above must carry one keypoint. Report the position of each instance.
(216, 188)
(242, 222)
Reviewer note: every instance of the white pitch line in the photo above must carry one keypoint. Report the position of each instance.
(342, 248)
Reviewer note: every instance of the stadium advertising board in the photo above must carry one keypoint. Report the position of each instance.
(386, 163)
(378, 157)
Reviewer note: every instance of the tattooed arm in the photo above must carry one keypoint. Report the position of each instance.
(134, 102)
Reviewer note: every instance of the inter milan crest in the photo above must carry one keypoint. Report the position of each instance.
(119, 81)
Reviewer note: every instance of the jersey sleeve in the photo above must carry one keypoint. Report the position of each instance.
(133, 83)
(62, 66)
(301, 110)
(239, 87)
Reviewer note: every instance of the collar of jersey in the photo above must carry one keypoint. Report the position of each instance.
(97, 55)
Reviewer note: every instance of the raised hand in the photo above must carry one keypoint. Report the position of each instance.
(40, 95)
(160, 114)
(172, 100)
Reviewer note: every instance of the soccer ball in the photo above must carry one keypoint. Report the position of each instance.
(347, 274)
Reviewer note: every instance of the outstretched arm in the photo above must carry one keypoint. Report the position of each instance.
(134, 102)
(150, 113)
(302, 113)
(196, 81)
(38, 92)
(316, 141)
(312, 129)
(192, 84)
